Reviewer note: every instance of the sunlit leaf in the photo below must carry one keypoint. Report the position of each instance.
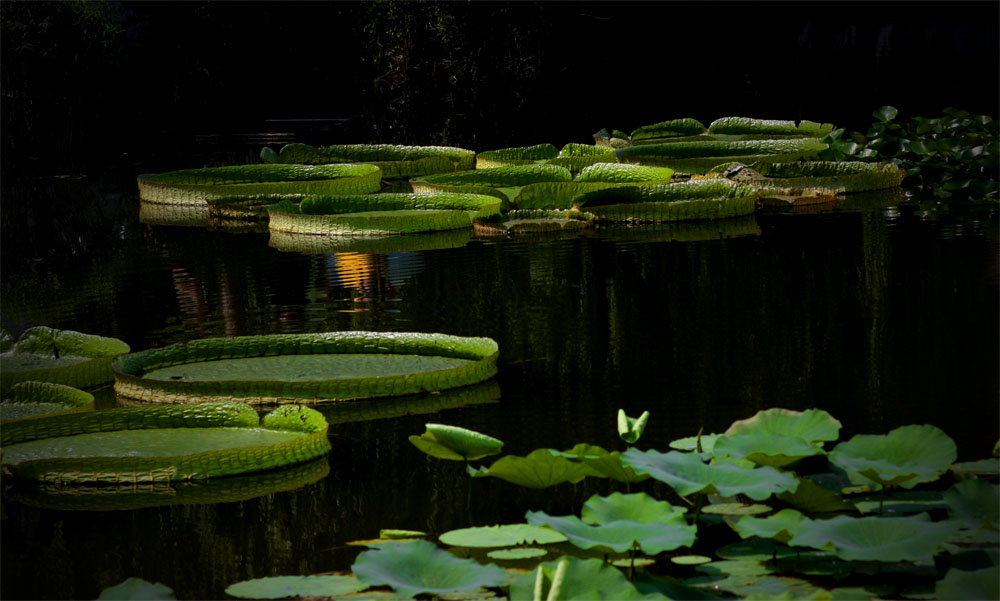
(811, 425)
(688, 474)
(974, 585)
(690, 443)
(974, 502)
(452, 442)
(735, 509)
(913, 538)
(636, 507)
(280, 587)
(518, 553)
(421, 567)
(506, 535)
(135, 589)
(904, 457)
(540, 469)
(765, 448)
(631, 428)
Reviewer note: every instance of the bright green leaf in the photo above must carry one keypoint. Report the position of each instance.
(630, 428)
(605, 464)
(885, 113)
(904, 457)
(781, 526)
(619, 535)
(506, 535)
(452, 442)
(540, 469)
(636, 507)
(765, 448)
(811, 425)
(280, 587)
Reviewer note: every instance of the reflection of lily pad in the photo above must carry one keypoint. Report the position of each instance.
(506, 535)
(876, 538)
(904, 457)
(60, 356)
(311, 244)
(137, 588)
(502, 182)
(469, 360)
(162, 444)
(688, 474)
(451, 442)
(421, 567)
(371, 409)
(539, 469)
(280, 587)
(32, 399)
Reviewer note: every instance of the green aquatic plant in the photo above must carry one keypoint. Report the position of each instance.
(768, 127)
(682, 201)
(420, 566)
(521, 155)
(458, 444)
(31, 399)
(67, 357)
(573, 578)
(604, 464)
(395, 161)
(976, 503)
(416, 362)
(701, 156)
(972, 585)
(812, 425)
(906, 456)
(781, 526)
(886, 539)
(280, 587)
(631, 428)
(506, 535)
(673, 128)
(541, 468)
(136, 588)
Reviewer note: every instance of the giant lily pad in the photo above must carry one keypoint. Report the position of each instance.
(701, 156)
(305, 367)
(506, 535)
(196, 186)
(688, 474)
(520, 155)
(395, 161)
(60, 356)
(904, 457)
(501, 182)
(539, 469)
(451, 442)
(153, 444)
(280, 587)
(913, 538)
(416, 404)
(31, 399)
(378, 215)
(421, 567)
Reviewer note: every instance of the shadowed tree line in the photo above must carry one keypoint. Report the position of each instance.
(83, 79)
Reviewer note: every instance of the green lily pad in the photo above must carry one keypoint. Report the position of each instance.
(574, 579)
(280, 587)
(31, 399)
(974, 502)
(781, 526)
(688, 474)
(630, 428)
(905, 457)
(506, 535)
(396, 534)
(812, 497)
(755, 549)
(690, 560)
(636, 507)
(900, 503)
(762, 448)
(421, 567)
(605, 464)
(134, 589)
(983, 468)
(690, 443)
(735, 509)
(761, 587)
(452, 442)
(812, 425)
(540, 469)
(518, 553)
(44, 354)
(973, 585)
(913, 538)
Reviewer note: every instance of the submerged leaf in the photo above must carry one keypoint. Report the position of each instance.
(452, 442)
(421, 567)
(904, 457)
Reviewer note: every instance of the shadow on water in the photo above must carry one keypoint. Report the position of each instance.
(882, 312)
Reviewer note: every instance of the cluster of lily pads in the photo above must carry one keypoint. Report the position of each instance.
(772, 508)
(672, 171)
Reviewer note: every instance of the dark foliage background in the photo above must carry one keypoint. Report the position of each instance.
(84, 80)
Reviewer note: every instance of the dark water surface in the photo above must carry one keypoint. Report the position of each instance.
(882, 312)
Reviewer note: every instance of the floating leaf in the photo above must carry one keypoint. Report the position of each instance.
(763, 448)
(688, 474)
(900, 503)
(876, 538)
(690, 443)
(974, 585)
(756, 549)
(781, 526)
(637, 507)
(421, 567)
(540, 469)
(734, 509)
(812, 497)
(452, 442)
(137, 588)
(604, 463)
(395, 534)
(812, 425)
(975, 502)
(630, 428)
(904, 457)
(518, 553)
(580, 579)
(690, 560)
(506, 535)
(619, 535)
(280, 587)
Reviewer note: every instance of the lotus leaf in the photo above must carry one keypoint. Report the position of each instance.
(516, 554)
(781, 526)
(973, 585)
(636, 507)
(756, 549)
(761, 587)
(984, 468)
(31, 399)
(904, 457)
(900, 503)
(540, 469)
(452, 442)
(650, 584)
(506, 535)
(620, 535)
(631, 428)
(421, 567)
(735, 509)
(688, 474)
(762, 448)
(690, 443)
(690, 560)
(59, 356)
(605, 464)
(135, 589)
(913, 538)
(280, 587)
(579, 579)
(812, 425)
(812, 497)
(975, 502)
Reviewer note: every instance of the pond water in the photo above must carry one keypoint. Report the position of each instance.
(882, 313)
